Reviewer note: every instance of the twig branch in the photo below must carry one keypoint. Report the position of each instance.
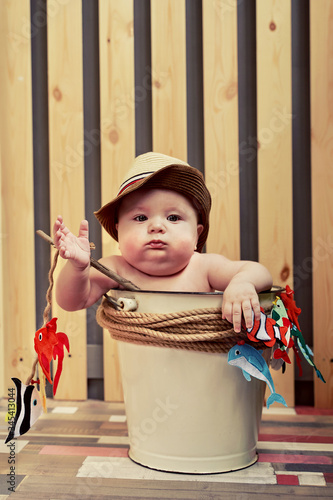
(128, 285)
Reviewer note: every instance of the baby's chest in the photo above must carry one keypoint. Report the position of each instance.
(185, 281)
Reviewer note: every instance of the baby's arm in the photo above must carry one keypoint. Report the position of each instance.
(78, 286)
(241, 282)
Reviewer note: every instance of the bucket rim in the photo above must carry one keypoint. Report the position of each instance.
(275, 289)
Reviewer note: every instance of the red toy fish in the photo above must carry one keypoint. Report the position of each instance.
(267, 331)
(292, 310)
(48, 345)
(281, 354)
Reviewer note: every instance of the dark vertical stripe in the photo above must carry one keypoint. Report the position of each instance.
(143, 77)
(194, 84)
(40, 131)
(247, 91)
(302, 231)
(91, 107)
(25, 425)
(92, 153)
(96, 388)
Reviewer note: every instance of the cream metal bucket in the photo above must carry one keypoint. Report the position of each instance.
(188, 411)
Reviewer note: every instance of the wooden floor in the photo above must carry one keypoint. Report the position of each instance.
(79, 451)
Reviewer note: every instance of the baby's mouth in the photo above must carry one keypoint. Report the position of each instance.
(156, 244)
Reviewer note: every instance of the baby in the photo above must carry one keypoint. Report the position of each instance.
(160, 217)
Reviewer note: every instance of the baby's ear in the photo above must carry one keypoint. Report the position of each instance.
(199, 229)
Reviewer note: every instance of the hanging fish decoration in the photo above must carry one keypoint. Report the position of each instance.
(297, 356)
(266, 330)
(280, 351)
(50, 345)
(281, 354)
(251, 362)
(280, 315)
(306, 351)
(292, 310)
(28, 409)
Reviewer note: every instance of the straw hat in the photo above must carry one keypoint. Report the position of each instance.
(155, 170)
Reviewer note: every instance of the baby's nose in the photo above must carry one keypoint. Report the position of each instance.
(156, 226)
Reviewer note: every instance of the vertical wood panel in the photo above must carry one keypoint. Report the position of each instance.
(194, 84)
(2, 298)
(17, 236)
(247, 112)
(275, 151)
(67, 169)
(92, 177)
(302, 227)
(321, 49)
(221, 125)
(169, 77)
(40, 136)
(142, 67)
(117, 132)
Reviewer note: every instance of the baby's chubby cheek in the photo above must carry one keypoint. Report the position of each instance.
(185, 245)
(130, 247)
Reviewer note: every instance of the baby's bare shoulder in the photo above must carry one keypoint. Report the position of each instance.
(205, 263)
(209, 259)
(213, 264)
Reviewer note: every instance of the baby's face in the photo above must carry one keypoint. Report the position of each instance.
(157, 231)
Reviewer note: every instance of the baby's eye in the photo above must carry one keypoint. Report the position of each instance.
(140, 218)
(173, 217)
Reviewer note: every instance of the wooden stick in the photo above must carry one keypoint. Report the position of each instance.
(128, 285)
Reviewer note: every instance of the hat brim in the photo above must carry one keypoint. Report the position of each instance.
(183, 179)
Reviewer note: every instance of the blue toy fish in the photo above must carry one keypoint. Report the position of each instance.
(251, 362)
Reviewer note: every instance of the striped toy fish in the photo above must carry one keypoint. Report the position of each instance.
(28, 409)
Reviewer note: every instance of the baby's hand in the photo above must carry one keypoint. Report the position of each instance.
(240, 297)
(74, 248)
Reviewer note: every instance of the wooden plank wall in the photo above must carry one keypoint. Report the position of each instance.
(17, 237)
(67, 167)
(274, 134)
(169, 81)
(221, 125)
(2, 340)
(322, 183)
(190, 87)
(117, 133)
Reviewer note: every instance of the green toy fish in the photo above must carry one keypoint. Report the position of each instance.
(305, 350)
(280, 351)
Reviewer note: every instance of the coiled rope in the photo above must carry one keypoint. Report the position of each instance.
(198, 329)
